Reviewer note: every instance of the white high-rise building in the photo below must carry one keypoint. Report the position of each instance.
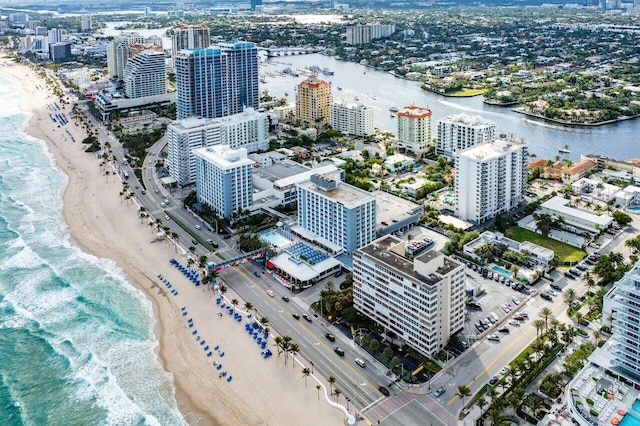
(364, 34)
(490, 179)
(354, 120)
(417, 301)
(249, 130)
(224, 178)
(55, 35)
(414, 129)
(146, 74)
(189, 37)
(336, 212)
(124, 47)
(462, 131)
(86, 23)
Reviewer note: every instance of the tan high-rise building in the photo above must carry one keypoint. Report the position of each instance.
(414, 129)
(313, 102)
(189, 37)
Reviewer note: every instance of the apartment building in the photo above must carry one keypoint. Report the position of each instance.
(417, 301)
(356, 120)
(146, 74)
(189, 37)
(414, 129)
(364, 34)
(490, 179)
(124, 47)
(461, 131)
(313, 102)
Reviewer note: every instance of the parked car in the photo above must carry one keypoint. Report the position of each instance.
(513, 322)
(503, 329)
(546, 296)
(555, 287)
(569, 275)
(438, 392)
(582, 267)
(493, 337)
(493, 380)
(575, 271)
(518, 317)
(330, 337)
(479, 327)
(504, 370)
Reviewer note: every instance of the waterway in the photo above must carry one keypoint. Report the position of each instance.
(381, 90)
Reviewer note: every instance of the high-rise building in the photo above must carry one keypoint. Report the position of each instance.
(337, 212)
(224, 178)
(364, 34)
(354, 120)
(55, 35)
(189, 37)
(146, 74)
(217, 81)
(417, 301)
(462, 131)
(313, 102)
(124, 47)
(60, 51)
(490, 179)
(256, 4)
(86, 23)
(414, 129)
(249, 130)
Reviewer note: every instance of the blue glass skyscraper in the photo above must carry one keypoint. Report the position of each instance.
(217, 81)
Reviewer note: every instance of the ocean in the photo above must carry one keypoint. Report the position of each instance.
(76, 340)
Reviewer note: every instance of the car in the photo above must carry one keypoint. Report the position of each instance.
(257, 274)
(503, 329)
(582, 267)
(271, 293)
(556, 287)
(569, 275)
(507, 282)
(524, 314)
(493, 337)
(198, 227)
(515, 301)
(137, 187)
(513, 322)
(552, 293)
(594, 245)
(546, 296)
(285, 298)
(493, 380)
(296, 315)
(195, 242)
(157, 191)
(505, 308)
(504, 370)
(479, 327)
(210, 241)
(338, 351)
(473, 306)
(518, 317)
(383, 390)
(491, 319)
(575, 272)
(167, 217)
(226, 237)
(330, 337)
(589, 261)
(337, 274)
(438, 392)
(307, 317)
(360, 362)
(166, 201)
(143, 192)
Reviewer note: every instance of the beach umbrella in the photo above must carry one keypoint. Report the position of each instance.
(216, 347)
(209, 354)
(229, 379)
(219, 367)
(206, 348)
(221, 354)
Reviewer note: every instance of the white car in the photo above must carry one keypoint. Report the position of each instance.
(504, 370)
(514, 322)
(552, 293)
(271, 293)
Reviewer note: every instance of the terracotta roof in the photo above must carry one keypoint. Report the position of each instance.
(537, 163)
(579, 167)
(413, 111)
(313, 82)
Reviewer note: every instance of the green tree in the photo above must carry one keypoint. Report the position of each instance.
(387, 352)
(463, 392)
(305, 373)
(545, 314)
(374, 345)
(331, 380)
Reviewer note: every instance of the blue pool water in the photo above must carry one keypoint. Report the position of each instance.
(449, 198)
(271, 237)
(634, 209)
(632, 419)
(502, 271)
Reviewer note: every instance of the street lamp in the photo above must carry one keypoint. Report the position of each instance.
(401, 366)
(312, 364)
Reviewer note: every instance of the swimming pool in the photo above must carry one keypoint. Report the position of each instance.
(502, 271)
(272, 237)
(449, 198)
(634, 209)
(631, 419)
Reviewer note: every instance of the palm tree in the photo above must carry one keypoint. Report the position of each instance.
(545, 313)
(277, 342)
(578, 317)
(248, 306)
(337, 393)
(463, 392)
(569, 297)
(596, 336)
(305, 373)
(293, 349)
(331, 381)
(494, 415)
(535, 404)
(318, 387)
(234, 302)
(481, 403)
(543, 223)
(538, 324)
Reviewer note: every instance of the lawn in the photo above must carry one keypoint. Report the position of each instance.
(564, 252)
(467, 92)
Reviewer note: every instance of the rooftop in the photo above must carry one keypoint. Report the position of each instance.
(346, 194)
(224, 157)
(469, 120)
(490, 150)
(413, 111)
(560, 205)
(390, 208)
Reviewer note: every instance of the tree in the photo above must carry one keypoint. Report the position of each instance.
(374, 345)
(481, 403)
(395, 360)
(277, 342)
(305, 373)
(463, 392)
(544, 223)
(538, 324)
(331, 381)
(545, 313)
(387, 352)
(293, 349)
(535, 404)
(248, 306)
(494, 416)
(337, 393)
(622, 218)
(596, 337)
(318, 387)
(569, 297)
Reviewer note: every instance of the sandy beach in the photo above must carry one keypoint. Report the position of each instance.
(262, 392)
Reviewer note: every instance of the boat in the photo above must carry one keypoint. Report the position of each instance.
(394, 109)
(263, 81)
(374, 98)
(339, 88)
(286, 94)
(392, 115)
(287, 70)
(327, 71)
(564, 150)
(356, 98)
(315, 68)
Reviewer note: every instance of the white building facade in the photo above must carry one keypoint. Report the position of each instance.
(462, 131)
(146, 74)
(420, 301)
(414, 129)
(490, 179)
(248, 130)
(337, 212)
(354, 120)
(224, 178)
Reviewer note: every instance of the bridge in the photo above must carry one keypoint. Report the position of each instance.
(273, 52)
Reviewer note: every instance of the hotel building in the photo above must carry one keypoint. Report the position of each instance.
(364, 34)
(420, 301)
(313, 102)
(337, 212)
(146, 74)
(490, 179)
(462, 131)
(189, 37)
(414, 129)
(223, 178)
(354, 120)
(217, 81)
(249, 130)
(124, 47)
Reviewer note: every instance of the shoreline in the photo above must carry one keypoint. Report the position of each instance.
(102, 224)
(570, 123)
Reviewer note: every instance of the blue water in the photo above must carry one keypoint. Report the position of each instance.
(272, 237)
(502, 271)
(76, 341)
(635, 209)
(631, 419)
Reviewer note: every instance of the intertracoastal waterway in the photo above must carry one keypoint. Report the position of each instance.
(381, 90)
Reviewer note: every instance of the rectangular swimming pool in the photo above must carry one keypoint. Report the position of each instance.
(502, 271)
(631, 418)
(272, 237)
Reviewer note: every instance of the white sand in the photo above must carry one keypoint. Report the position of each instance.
(262, 392)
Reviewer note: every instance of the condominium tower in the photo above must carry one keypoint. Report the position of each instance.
(462, 131)
(417, 301)
(354, 120)
(249, 130)
(189, 37)
(124, 47)
(336, 212)
(364, 34)
(490, 179)
(313, 102)
(217, 81)
(414, 129)
(146, 74)
(224, 178)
